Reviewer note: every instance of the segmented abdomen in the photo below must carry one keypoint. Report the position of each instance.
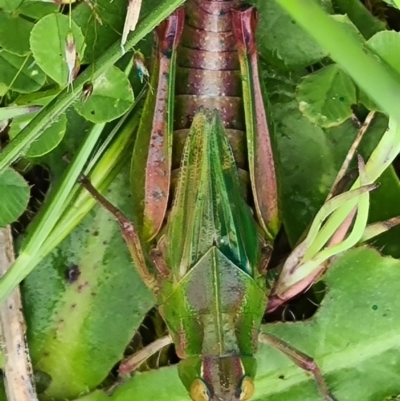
(208, 73)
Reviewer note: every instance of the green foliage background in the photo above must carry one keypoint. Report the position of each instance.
(77, 332)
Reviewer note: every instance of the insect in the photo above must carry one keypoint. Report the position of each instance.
(72, 274)
(197, 241)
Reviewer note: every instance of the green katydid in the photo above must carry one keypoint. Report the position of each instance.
(204, 254)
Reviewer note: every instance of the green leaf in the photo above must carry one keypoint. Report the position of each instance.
(281, 41)
(14, 34)
(42, 97)
(10, 5)
(83, 314)
(326, 96)
(356, 328)
(50, 138)
(349, 27)
(111, 97)
(20, 74)
(37, 9)
(14, 196)
(66, 98)
(48, 42)
(367, 23)
(99, 37)
(52, 135)
(359, 62)
(354, 338)
(386, 45)
(365, 100)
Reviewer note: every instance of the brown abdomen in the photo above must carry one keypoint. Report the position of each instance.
(208, 74)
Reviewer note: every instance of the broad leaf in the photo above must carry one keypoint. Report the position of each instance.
(326, 96)
(14, 34)
(281, 41)
(10, 5)
(48, 45)
(50, 138)
(14, 196)
(20, 74)
(111, 97)
(101, 25)
(83, 304)
(367, 23)
(386, 44)
(37, 9)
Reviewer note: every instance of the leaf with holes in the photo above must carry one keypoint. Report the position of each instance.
(112, 96)
(326, 96)
(48, 41)
(14, 196)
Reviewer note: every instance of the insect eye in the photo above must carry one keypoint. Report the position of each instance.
(199, 391)
(247, 389)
